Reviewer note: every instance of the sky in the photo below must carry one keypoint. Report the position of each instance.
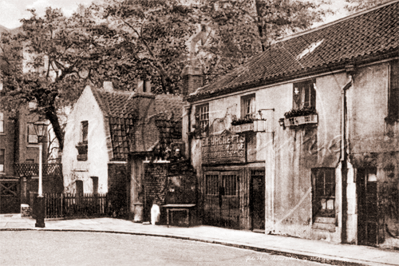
(14, 10)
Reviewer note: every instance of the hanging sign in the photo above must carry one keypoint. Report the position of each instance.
(223, 148)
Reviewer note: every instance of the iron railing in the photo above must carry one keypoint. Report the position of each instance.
(32, 169)
(75, 205)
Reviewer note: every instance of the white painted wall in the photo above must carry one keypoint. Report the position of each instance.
(86, 108)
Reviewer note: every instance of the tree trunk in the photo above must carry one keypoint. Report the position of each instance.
(51, 115)
(262, 32)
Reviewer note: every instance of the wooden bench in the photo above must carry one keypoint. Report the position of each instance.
(170, 208)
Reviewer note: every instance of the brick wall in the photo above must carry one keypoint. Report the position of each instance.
(118, 189)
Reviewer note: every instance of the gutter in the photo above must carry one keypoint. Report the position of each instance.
(350, 69)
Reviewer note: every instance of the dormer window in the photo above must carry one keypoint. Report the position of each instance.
(248, 107)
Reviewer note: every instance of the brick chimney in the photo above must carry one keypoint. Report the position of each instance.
(143, 86)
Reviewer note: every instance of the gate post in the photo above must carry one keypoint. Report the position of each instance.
(25, 210)
(24, 190)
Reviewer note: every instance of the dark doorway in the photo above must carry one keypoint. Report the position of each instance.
(257, 199)
(9, 196)
(221, 202)
(367, 206)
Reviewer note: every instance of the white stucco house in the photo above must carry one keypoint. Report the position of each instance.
(96, 139)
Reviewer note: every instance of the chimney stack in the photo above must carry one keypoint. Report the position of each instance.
(108, 86)
(143, 86)
(192, 73)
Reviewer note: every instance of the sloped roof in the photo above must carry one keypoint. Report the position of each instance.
(116, 103)
(161, 125)
(129, 112)
(363, 37)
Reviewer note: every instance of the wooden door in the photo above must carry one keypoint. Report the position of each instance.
(367, 206)
(221, 200)
(257, 199)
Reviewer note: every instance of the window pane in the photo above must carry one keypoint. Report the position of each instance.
(85, 127)
(324, 192)
(304, 95)
(31, 132)
(2, 151)
(1, 126)
(248, 108)
(203, 114)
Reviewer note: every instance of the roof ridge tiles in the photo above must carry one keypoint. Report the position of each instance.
(357, 38)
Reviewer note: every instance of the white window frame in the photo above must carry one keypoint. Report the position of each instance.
(302, 94)
(1, 122)
(248, 106)
(4, 161)
(31, 138)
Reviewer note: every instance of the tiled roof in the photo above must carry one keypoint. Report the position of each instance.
(363, 37)
(160, 125)
(116, 103)
(129, 116)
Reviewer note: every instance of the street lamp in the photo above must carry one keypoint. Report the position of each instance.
(40, 128)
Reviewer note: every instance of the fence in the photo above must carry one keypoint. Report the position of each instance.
(76, 205)
(32, 169)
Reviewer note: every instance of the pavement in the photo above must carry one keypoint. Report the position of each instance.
(320, 251)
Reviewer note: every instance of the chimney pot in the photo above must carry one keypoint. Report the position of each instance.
(108, 86)
(143, 86)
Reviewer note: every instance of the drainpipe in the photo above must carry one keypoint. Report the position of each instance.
(344, 154)
(188, 109)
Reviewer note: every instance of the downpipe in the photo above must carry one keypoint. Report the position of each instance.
(344, 154)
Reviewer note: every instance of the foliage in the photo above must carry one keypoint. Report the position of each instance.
(241, 29)
(300, 112)
(48, 62)
(241, 121)
(54, 57)
(150, 38)
(357, 5)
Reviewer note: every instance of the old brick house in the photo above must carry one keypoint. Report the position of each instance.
(303, 140)
(19, 154)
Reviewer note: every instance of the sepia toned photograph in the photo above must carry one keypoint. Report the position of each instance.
(199, 132)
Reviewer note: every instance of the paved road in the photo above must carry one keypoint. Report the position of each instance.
(82, 248)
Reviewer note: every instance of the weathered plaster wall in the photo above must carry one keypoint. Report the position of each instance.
(374, 143)
(289, 153)
(86, 108)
